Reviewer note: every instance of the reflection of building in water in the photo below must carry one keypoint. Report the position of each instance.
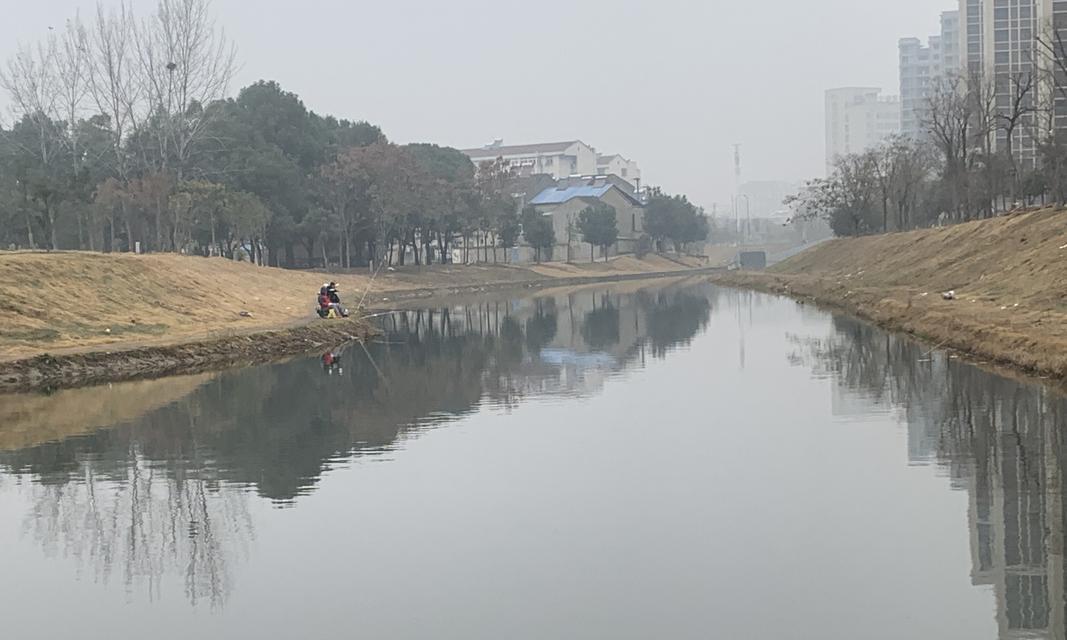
(159, 491)
(1016, 516)
(1000, 440)
(564, 344)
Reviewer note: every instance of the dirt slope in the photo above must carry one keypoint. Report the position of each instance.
(1009, 275)
(69, 301)
(1019, 258)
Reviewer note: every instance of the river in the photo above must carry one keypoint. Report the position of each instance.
(640, 460)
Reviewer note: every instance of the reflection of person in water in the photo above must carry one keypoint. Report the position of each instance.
(331, 363)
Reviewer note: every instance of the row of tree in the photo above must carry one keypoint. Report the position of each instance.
(987, 146)
(124, 140)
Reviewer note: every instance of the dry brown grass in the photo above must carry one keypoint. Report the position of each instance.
(69, 302)
(1009, 275)
(621, 265)
(64, 300)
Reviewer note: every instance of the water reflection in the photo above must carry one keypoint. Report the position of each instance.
(161, 488)
(999, 439)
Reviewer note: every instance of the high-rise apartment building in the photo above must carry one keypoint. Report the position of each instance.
(858, 119)
(922, 66)
(920, 70)
(1001, 47)
(951, 39)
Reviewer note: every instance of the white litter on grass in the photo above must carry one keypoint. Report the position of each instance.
(948, 295)
(1063, 247)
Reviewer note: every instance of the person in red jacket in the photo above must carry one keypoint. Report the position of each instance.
(324, 302)
(328, 300)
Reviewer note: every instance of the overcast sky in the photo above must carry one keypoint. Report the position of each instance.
(671, 83)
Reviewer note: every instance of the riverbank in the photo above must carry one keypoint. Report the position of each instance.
(49, 372)
(1008, 276)
(70, 319)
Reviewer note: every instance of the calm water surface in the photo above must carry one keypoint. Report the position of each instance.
(640, 461)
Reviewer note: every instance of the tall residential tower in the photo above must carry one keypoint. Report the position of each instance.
(1001, 47)
(857, 119)
(922, 67)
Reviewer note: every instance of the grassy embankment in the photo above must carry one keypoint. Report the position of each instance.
(118, 316)
(1009, 275)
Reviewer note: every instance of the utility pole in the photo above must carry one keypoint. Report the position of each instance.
(737, 166)
(737, 189)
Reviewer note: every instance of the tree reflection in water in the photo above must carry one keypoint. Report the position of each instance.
(144, 524)
(1001, 440)
(164, 495)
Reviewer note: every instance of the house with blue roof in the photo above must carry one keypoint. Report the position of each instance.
(564, 202)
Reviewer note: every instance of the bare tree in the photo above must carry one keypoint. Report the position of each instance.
(30, 80)
(982, 95)
(72, 84)
(114, 88)
(1052, 55)
(884, 168)
(186, 63)
(948, 120)
(915, 166)
(112, 75)
(1019, 89)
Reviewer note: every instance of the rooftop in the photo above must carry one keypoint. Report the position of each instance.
(559, 196)
(494, 151)
(598, 189)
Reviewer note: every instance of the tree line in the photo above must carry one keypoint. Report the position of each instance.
(124, 139)
(987, 145)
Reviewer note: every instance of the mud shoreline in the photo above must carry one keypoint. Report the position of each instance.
(1000, 347)
(51, 371)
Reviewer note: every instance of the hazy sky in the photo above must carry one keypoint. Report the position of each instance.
(671, 83)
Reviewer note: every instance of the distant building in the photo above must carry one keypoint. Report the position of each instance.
(617, 165)
(557, 159)
(858, 119)
(951, 41)
(920, 71)
(766, 198)
(564, 202)
(610, 178)
(527, 187)
(922, 67)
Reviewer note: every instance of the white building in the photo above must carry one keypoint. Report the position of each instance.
(557, 159)
(920, 71)
(922, 67)
(858, 119)
(617, 165)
